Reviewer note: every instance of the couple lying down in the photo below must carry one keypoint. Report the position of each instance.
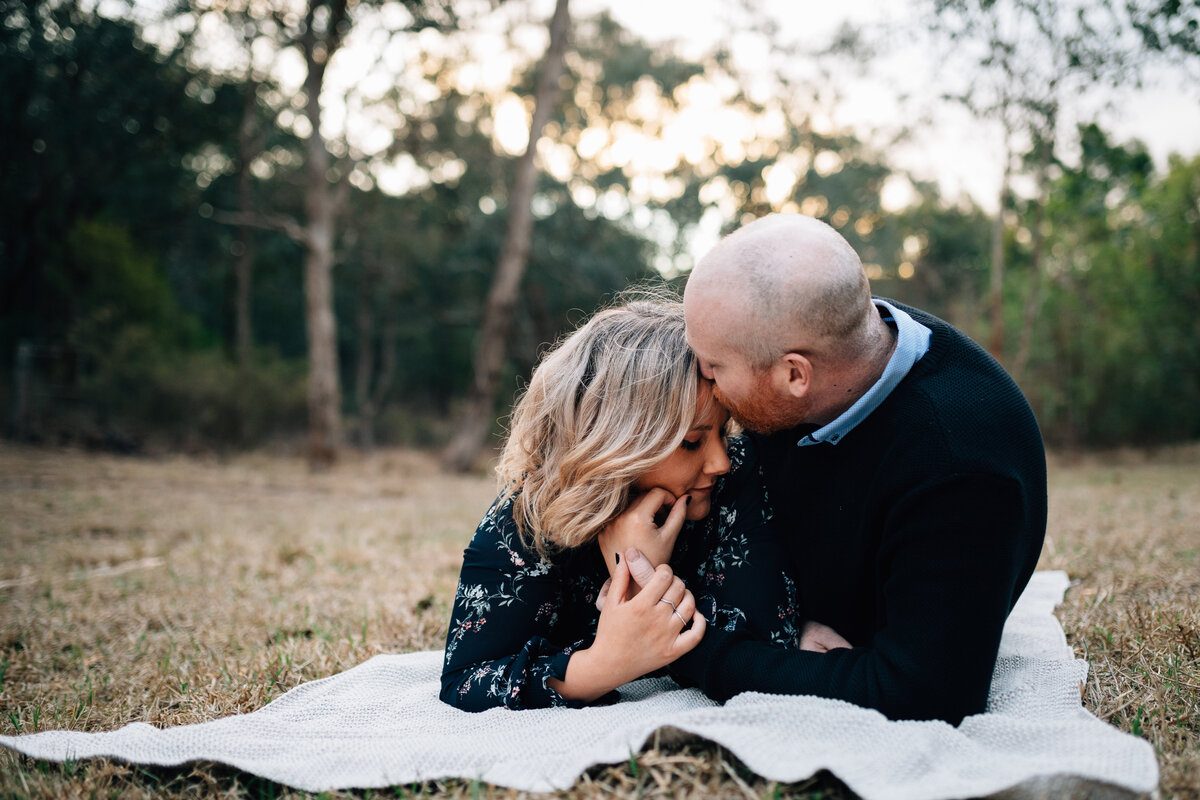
(864, 539)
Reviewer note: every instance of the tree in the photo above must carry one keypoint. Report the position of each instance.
(319, 41)
(476, 423)
(376, 251)
(1027, 61)
(318, 36)
(253, 133)
(94, 125)
(1115, 358)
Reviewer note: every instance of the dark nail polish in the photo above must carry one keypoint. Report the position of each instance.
(617, 557)
(688, 502)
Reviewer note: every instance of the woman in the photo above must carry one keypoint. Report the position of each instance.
(617, 439)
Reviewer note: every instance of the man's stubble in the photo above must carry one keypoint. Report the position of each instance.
(757, 413)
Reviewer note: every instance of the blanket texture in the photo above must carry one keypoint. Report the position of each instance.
(381, 723)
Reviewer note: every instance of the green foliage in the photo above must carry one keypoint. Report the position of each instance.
(427, 261)
(1167, 26)
(625, 60)
(146, 395)
(116, 159)
(94, 125)
(948, 246)
(144, 374)
(206, 399)
(110, 285)
(1116, 356)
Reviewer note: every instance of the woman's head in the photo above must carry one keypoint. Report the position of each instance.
(606, 406)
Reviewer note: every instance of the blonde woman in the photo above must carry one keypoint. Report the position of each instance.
(617, 439)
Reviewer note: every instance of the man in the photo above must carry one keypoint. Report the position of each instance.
(905, 468)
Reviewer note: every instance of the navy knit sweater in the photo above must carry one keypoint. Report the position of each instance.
(912, 538)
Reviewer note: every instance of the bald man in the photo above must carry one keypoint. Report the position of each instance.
(906, 470)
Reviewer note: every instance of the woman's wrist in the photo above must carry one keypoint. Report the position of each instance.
(587, 677)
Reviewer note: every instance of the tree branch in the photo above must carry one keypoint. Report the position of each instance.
(280, 223)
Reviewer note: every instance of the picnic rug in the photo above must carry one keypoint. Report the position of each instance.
(381, 723)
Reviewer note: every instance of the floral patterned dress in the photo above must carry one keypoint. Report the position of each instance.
(518, 617)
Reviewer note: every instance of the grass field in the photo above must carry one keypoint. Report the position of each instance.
(177, 590)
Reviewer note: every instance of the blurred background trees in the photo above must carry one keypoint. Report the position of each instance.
(175, 188)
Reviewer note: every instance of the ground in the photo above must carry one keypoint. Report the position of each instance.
(175, 590)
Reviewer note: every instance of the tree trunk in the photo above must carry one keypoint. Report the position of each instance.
(365, 327)
(324, 395)
(476, 422)
(243, 269)
(1033, 299)
(995, 291)
(244, 259)
(320, 205)
(996, 288)
(383, 383)
(372, 384)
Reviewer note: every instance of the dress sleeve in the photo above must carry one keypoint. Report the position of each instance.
(502, 647)
(732, 562)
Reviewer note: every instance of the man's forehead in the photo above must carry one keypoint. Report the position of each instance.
(709, 305)
(709, 343)
(706, 299)
(698, 315)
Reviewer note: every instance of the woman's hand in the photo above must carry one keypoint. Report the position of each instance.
(636, 527)
(636, 634)
(821, 638)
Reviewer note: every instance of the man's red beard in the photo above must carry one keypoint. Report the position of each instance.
(755, 414)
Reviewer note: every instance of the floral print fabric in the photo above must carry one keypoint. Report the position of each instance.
(518, 617)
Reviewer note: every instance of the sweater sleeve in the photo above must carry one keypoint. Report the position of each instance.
(501, 647)
(952, 555)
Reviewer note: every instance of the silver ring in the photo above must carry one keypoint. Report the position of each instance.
(674, 610)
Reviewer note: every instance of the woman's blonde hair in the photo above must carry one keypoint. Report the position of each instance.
(605, 405)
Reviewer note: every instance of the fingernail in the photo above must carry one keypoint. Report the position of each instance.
(632, 554)
(689, 500)
(617, 556)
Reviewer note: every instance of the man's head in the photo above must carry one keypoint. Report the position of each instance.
(779, 314)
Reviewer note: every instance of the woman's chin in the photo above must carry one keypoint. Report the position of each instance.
(698, 508)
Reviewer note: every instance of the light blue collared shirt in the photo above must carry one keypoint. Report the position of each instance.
(912, 342)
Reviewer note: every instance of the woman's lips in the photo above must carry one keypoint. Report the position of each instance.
(701, 489)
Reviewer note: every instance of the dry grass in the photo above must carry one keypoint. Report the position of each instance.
(1126, 527)
(173, 591)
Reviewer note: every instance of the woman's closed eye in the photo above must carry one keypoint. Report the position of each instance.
(692, 444)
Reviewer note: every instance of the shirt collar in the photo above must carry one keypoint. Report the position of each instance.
(912, 342)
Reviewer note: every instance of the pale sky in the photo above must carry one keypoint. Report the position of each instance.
(960, 153)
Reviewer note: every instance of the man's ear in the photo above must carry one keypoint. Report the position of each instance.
(799, 374)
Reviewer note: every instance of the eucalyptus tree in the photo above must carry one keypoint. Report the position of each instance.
(317, 33)
(423, 257)
(658, 141)
(1026, 63)
(99, 136)
(476, 421)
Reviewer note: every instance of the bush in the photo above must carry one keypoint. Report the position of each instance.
(207, 400)
(141, 393)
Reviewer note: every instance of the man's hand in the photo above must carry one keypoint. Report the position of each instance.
(641, 572)
(821, 638)
(636, 527)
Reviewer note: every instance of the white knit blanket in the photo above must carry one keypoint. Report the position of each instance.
(381, 723)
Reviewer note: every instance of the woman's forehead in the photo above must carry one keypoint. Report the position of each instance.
(709, 413)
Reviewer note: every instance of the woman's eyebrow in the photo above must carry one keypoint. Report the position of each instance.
(702, 427)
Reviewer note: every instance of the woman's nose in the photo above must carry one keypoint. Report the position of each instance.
(717, 461)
